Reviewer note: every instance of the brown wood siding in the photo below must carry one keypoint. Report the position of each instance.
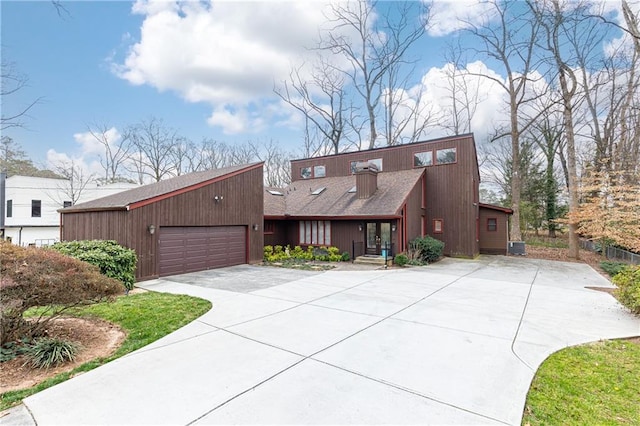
(414, 215)
(451, 189)
(242, 205)
(366, 183)
(279, 234)
(398, 157)
(493, 242)
(344, 232)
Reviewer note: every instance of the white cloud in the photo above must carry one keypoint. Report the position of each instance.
(91, 146)
(449, 16)
(227, 54)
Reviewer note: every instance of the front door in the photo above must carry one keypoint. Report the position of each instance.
(378, 237)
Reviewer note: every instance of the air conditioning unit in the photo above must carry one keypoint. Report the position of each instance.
(516, 247)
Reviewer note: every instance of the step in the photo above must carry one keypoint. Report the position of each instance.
(372, 260)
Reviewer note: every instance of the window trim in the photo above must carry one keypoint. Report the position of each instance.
(323, 167)
(312, 171)
(496, 224)
(435, 229)
(437, 163)
(36, 208)
(311, 228)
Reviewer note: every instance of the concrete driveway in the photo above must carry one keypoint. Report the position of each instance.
(457, 342)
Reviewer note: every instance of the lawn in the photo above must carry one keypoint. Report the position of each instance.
(593, 384)
(145, 317)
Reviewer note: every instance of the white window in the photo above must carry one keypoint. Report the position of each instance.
(315, 232)
(377, 162)
(319, 171)
(305, 172)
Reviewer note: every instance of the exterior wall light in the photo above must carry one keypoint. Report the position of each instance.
(255, 226)
(218, 198)
(151, 229)
(393, 227)
(360, 227)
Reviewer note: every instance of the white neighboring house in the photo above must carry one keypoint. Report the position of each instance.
(31, 206)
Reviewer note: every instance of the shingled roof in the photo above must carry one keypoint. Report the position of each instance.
(335, 200)
(159, 190)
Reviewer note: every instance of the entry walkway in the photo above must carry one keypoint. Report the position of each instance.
(457, 342)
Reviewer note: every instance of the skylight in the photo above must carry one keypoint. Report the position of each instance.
(272, 192)
(352, 190)
(319, 190)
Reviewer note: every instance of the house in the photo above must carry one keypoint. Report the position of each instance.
(29, 206)
(189, 223)
(367, 202)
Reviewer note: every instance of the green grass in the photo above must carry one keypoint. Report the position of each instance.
(145, 317)
(594, 384)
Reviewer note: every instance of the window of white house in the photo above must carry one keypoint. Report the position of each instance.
(446, 156)
(316, 232)
(67, 204)
(36, 208)
(305, 173)
(9, 208)
(319, 171)
(437, 226)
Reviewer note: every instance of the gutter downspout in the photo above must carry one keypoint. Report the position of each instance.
(3, 202)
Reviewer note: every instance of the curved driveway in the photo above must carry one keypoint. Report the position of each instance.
(457, 342)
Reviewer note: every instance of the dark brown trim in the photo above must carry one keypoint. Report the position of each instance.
(368, 217)
(498, 208)
(142, 203)
(92, 209)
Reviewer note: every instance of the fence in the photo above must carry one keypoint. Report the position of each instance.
(611, 252)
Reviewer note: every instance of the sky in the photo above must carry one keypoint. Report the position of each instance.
(205, 70)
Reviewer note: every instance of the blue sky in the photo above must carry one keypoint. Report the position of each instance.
(205, 71)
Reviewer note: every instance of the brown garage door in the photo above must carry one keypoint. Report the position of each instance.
(197, 248)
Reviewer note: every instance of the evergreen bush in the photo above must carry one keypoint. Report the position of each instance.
(113, 260)
(430, 248)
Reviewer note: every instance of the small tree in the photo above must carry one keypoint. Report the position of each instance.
(609, 211)
(31, 277)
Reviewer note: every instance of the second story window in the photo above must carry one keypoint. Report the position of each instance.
(305, 173)
(446, 156)
(9, 208)
(67, 204)
(319, 171)
(36, 208)
(422, 159)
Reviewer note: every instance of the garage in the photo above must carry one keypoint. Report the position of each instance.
(188, 223)
(196, 248)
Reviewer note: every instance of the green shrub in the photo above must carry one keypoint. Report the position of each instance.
(430, 249)
(345, 256)
(400, 259)
(39, 277)
(113, 260)
(268, 252)
(612, 268)
(48, 352)
(628, 292)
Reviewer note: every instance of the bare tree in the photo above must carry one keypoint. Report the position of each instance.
(75, 180)
(568, 36)
(277, 168)
(116, 150)
(510, 40)
(12, 82)
(378, 44)
(322, 101)
(464, 95)
(153, 145)
(186, 157)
